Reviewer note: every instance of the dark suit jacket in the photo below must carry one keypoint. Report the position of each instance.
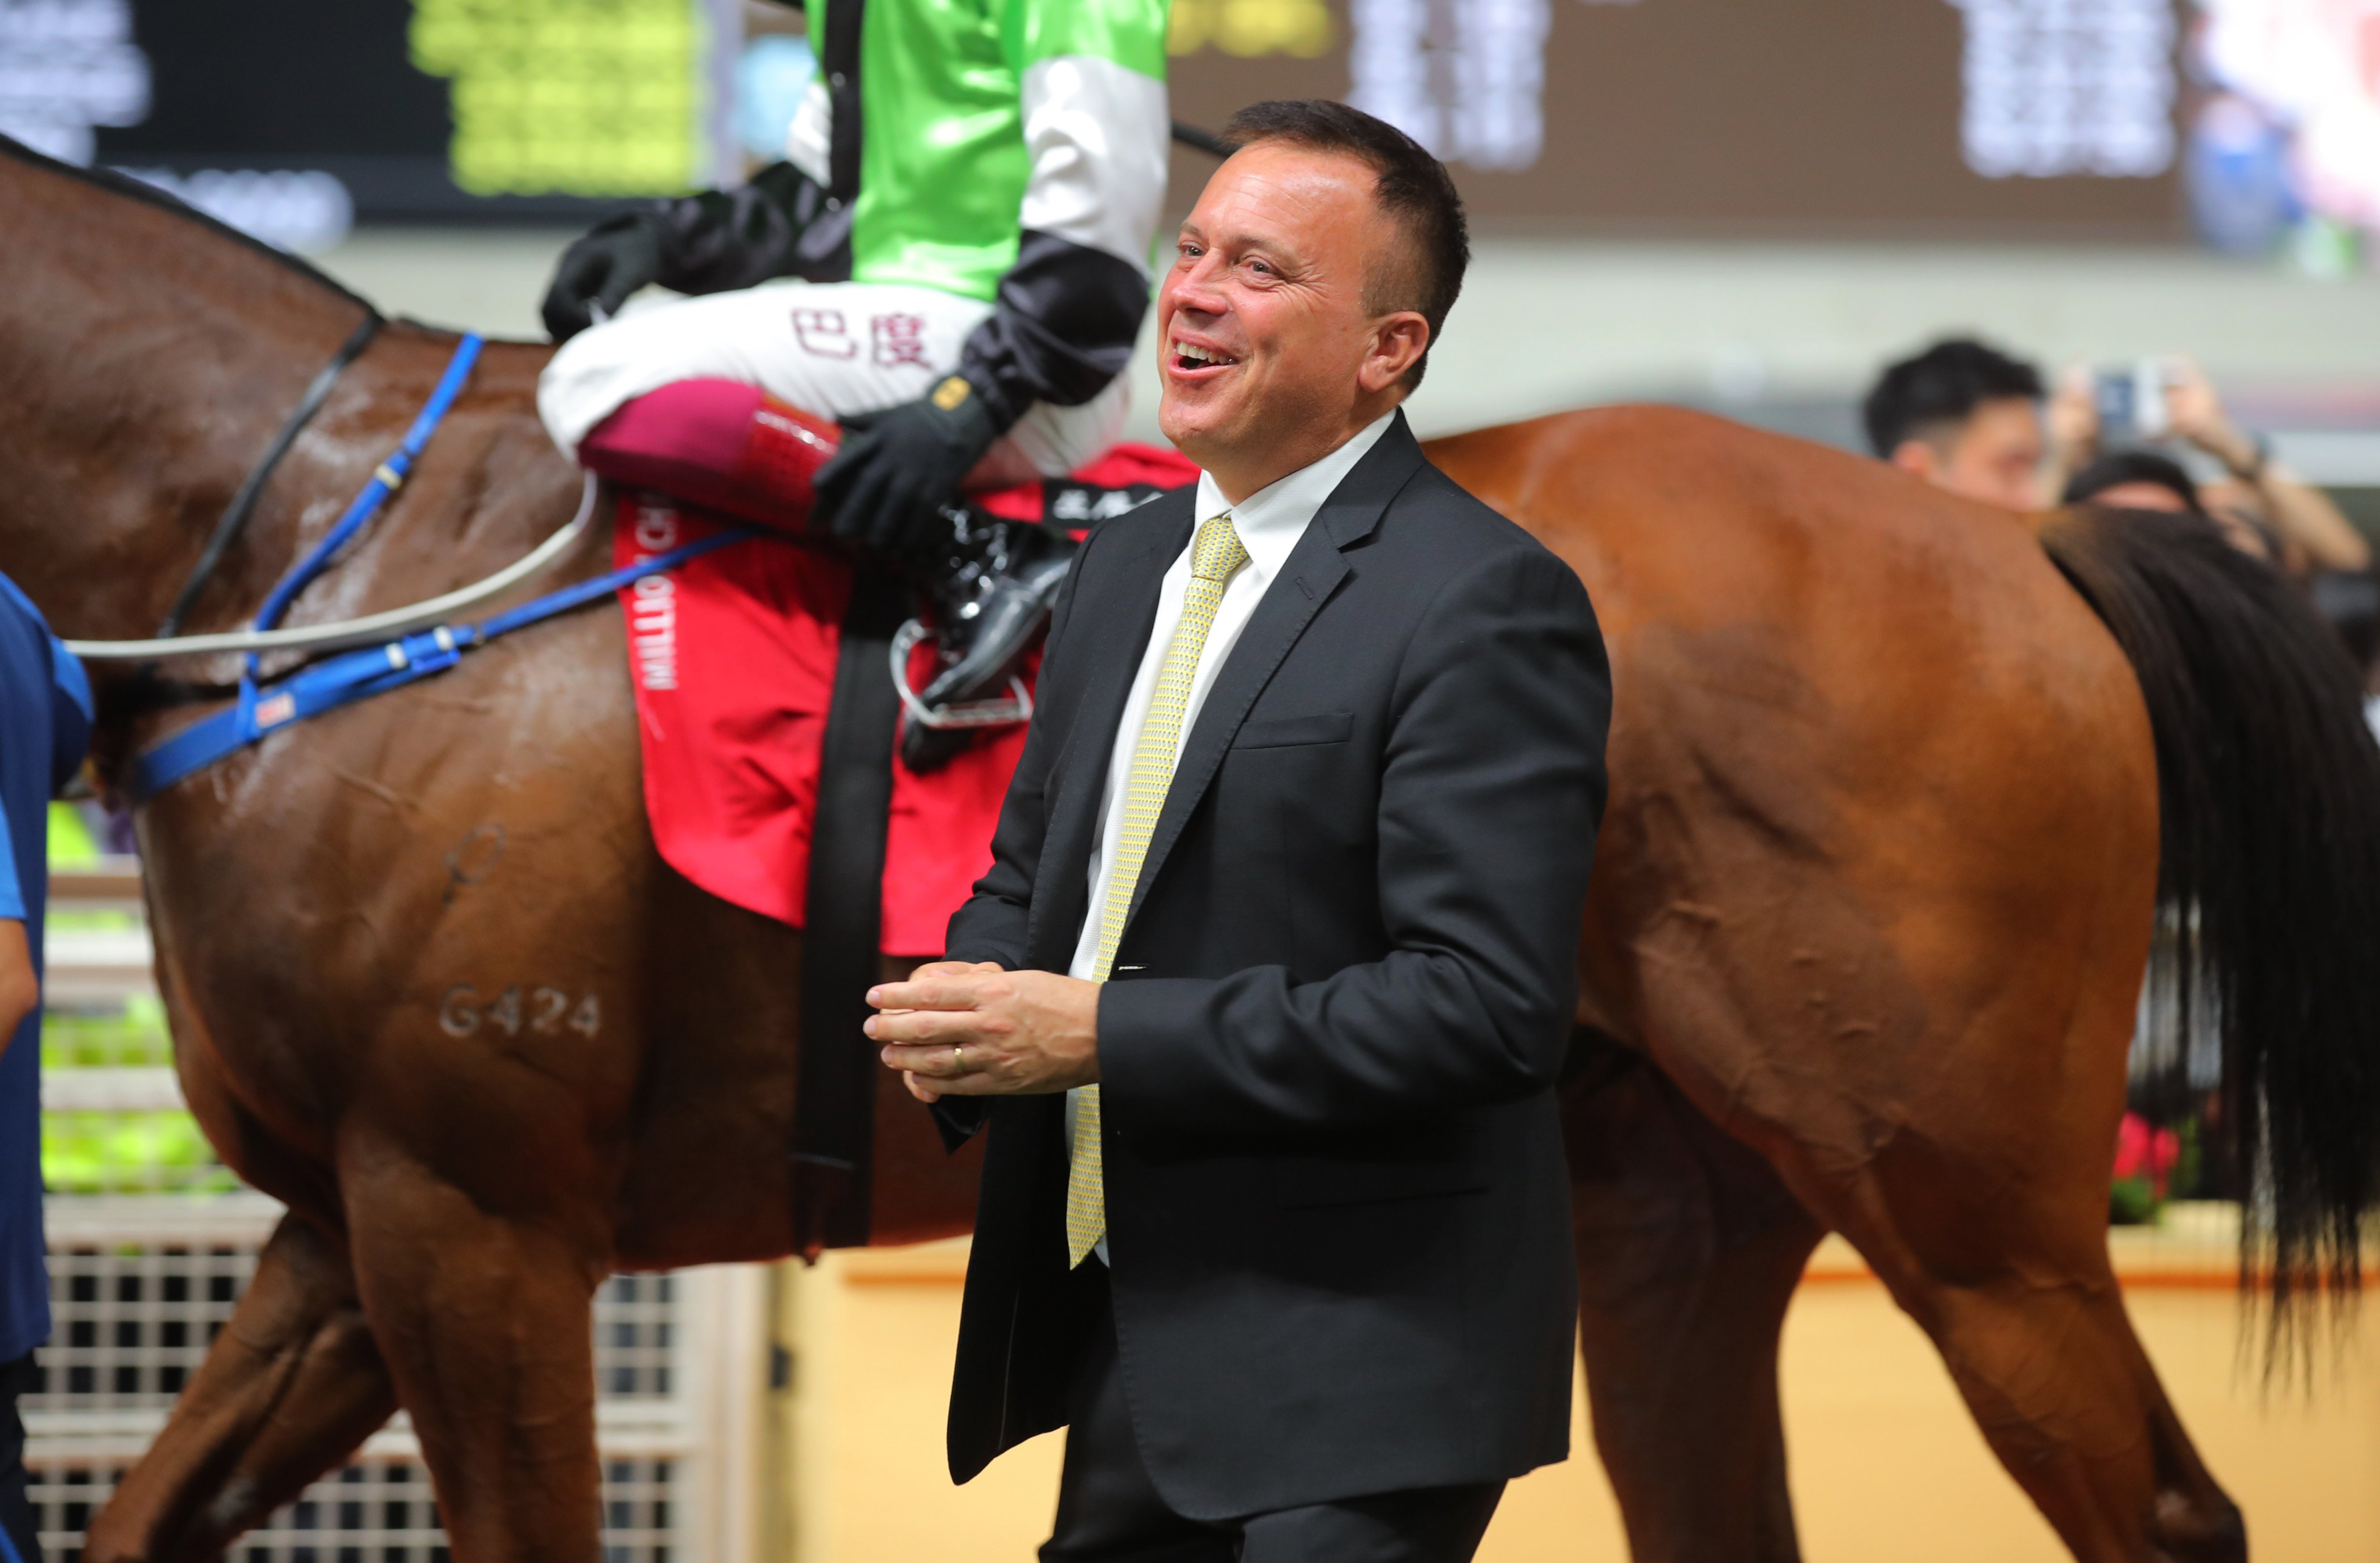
(1338, 1214)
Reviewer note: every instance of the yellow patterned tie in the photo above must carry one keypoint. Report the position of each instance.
(1214, 558)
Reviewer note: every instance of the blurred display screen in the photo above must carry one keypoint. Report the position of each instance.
(1829, 118)
(1834, 118)
(294, 118)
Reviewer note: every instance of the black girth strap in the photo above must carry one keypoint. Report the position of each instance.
(243, 504)
(836, 1078)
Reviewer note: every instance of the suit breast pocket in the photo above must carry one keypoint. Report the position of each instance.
(1286, 733)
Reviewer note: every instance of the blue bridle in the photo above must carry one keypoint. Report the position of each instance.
(264, 707)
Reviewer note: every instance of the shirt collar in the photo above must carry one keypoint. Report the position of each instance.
(1271, 520)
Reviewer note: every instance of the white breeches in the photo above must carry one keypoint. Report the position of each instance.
(832, 348)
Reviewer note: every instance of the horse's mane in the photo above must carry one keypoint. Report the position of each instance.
(149, 195)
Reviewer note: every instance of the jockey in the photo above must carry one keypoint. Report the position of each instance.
(970, 188)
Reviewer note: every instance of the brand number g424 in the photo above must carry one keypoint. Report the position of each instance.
(542, 1010)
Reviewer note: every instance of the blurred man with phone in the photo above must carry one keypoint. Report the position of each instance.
(2170, 400)
(1968, 418)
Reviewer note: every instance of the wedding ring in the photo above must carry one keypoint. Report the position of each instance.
(958, 1059)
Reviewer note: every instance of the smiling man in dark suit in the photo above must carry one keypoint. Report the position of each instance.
(1265, 992)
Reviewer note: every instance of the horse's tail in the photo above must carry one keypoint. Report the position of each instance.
(2269, 782)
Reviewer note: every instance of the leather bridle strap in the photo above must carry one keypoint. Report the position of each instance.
(243, 504)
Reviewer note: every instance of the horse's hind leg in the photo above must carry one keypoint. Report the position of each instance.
(2037, 1340)
(482, 1315)
(1928, 1044)
(1947, 1101)
(292, 1384)
(1689, 1248)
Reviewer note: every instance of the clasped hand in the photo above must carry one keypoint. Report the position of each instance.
(960, 1030)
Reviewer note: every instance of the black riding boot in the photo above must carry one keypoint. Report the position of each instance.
(990, 584)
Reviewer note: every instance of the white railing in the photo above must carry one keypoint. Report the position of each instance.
(97, 966)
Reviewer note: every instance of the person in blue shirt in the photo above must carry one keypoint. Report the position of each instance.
(44, 728)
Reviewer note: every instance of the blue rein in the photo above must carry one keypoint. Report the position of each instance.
(386, 479)
(355, 675)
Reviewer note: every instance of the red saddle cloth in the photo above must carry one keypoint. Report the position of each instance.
(733, 657)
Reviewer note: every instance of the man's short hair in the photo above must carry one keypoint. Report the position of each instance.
(1411, 186)
(2118, 468)
(1918, 397)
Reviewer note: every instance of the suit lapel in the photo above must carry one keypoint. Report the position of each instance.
(1117, 638)
(1314, 570)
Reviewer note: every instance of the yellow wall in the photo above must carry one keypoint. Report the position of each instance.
(1885, 1464)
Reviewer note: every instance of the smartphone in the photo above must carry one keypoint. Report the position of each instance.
(2132, 400)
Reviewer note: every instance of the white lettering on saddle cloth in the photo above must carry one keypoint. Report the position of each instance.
(1086, 505)
(652, 610)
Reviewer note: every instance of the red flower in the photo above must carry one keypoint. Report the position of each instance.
(2144, 1153)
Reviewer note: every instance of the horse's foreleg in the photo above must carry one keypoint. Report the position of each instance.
(484, 1318)
(1689, 1247)
(294, 1381)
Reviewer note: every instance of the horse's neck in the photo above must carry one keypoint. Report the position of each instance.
(151, 360)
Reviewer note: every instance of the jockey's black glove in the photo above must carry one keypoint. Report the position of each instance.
(616, 257)
(886, 487)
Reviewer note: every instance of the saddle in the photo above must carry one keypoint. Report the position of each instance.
(746, 658)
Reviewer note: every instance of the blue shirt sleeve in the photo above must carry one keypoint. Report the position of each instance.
(12, 895)
(70, 713)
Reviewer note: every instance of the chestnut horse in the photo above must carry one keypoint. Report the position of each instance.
(1874, 898)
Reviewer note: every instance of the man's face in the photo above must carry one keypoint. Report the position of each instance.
(1262, 329)
(1995, 455)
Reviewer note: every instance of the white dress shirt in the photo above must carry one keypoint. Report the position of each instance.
(1270, 523)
